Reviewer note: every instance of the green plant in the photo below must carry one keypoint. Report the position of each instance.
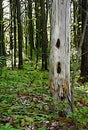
(8, 127)
(80, 117)
(42, 128)
(26, 100)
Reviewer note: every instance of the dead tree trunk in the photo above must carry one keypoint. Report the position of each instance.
(60, 50)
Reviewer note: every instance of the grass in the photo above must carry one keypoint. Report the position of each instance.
(25, 100)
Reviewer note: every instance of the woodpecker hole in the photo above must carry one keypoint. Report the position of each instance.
(58, 43)
(58, 67)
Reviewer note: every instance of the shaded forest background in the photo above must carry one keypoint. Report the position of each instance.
(25, 33)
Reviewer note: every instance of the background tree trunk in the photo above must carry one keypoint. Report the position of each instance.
(2, 44)
(60, 50)
(84, 61)
(20, 37)
(14, 21)
(11, 31)
(25, 29)
(30, 28)
(37, 14)
(44, 35)
(11, 25)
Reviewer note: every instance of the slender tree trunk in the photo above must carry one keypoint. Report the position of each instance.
(26, 41)
(60, 51)
(11, 31)
(20, 37)
(44, 35)
(1, 30)
(84, 61)
(37, 28)
(11, 26)
(14, 20)
(31, 41)
(2, 45)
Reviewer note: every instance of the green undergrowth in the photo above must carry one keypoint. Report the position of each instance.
(25, 100)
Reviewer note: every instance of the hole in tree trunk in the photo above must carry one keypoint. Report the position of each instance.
(58, 43)
(62, 98)
(58, 67)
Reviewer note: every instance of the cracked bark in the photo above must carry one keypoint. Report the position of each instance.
(60, 51)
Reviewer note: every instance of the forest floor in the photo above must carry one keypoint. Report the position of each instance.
(25, 102)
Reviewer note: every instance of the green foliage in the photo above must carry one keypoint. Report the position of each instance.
(42, 128)
(69, 129)
(8, 127)
(25, 100)
(80, 114)
(24, 97)
(2, 59)
(80, 117)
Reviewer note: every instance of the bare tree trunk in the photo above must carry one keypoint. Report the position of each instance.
(60, 51)
(1, 29)
(25, 29)
(14, 20)
(2, 44)
(11, 31)
(11, 26)
(20, 37)
(84, 61)
(30, 29)
(44, 35)
(37, 14)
